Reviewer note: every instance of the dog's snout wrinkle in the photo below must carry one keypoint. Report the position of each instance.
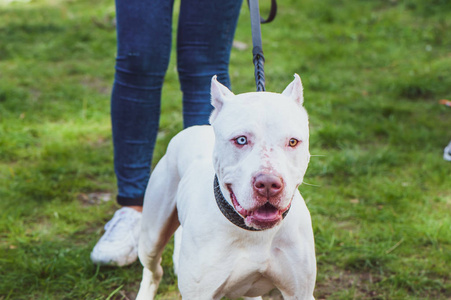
(268, 185)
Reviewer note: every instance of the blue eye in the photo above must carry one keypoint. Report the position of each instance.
(241, 140)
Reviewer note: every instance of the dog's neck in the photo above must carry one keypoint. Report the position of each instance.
(228, 211)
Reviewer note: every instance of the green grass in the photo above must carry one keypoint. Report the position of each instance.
(379, 193)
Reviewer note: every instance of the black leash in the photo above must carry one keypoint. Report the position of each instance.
(257, 50)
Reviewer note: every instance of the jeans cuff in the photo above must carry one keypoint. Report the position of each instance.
(125, 201)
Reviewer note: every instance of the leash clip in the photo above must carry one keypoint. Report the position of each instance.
(272, 12)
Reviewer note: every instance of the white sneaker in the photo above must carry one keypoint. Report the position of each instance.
(447, 152)
(119, 244)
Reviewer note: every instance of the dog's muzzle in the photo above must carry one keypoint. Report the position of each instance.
(229, 212)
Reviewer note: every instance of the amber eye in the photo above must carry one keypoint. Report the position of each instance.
(293, 142)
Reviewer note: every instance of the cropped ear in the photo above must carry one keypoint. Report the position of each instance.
(295, 90)
(218, 95)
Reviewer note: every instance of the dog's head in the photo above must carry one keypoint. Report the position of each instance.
(261, 150)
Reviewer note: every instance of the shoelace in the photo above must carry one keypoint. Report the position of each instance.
(119, 225)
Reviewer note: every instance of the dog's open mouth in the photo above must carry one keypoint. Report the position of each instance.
(264, 217)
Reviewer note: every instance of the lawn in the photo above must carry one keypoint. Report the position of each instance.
(377, 187)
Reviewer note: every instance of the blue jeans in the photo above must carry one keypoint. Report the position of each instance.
(204, 40)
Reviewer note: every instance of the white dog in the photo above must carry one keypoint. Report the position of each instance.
(233, 188)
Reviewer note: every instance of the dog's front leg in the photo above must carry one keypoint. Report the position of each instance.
(159, 223)
(149, 283)
(306, 297)
(150, 255)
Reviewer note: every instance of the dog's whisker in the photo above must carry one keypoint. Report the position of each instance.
(310, 184)
(317, 155)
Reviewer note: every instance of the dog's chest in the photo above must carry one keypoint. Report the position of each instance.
(252, 285)
(226, 265)
(244, 276)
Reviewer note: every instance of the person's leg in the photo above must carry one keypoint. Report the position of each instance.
(144, 43)
(204, 41)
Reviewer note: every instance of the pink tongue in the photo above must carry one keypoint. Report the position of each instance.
(266, 213)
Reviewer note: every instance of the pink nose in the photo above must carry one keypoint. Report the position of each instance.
(268, 185)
